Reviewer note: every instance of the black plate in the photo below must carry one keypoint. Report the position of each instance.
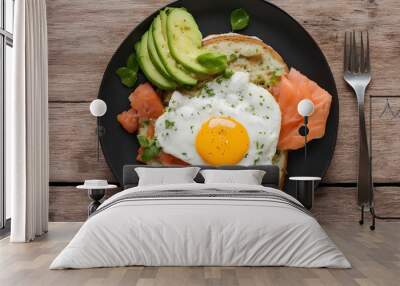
(269, 23)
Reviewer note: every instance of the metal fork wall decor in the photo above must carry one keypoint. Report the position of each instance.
(388, 109)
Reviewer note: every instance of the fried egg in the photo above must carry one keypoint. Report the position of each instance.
(229, 122)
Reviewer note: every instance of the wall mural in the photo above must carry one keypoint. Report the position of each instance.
(227, 99)
(384, 113)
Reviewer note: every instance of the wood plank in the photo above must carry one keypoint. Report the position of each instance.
(82, 36)
(73, 145)
(338, 204)
(385, 143)
(332, 204)
(374, 257)
(70, 204)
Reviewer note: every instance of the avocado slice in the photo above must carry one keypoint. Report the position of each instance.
(148, 68)
(154, 56)
(179, 74)
(184, 39)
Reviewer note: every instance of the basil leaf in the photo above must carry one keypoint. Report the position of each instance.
(128, 76)
(132, 63)
(214, 62)
(143, 141)
(239, 19)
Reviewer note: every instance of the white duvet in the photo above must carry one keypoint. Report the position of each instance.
(200, 231)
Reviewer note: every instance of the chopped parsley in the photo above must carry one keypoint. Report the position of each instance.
(151, 149)
(169, 124)
(228, 73)
(232, 58)
(275, 77)
(209, 91)
(219, 80)
(259, 145)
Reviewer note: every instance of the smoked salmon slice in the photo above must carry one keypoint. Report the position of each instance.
(168, 159)
(146, 102)
(128, 120)
(292, 88)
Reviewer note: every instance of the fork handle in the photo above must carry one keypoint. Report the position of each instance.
(364, 183)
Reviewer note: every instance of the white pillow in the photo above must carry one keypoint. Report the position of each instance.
(166, 176)
(246, 177)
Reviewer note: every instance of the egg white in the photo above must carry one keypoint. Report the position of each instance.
(253, 106)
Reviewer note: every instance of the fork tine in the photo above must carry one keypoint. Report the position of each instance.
(350, 66)
(346, 61)
(351, 53)
(354, 54)
(367, 59)
(362, 58)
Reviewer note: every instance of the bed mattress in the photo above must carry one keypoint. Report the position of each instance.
(201, 225)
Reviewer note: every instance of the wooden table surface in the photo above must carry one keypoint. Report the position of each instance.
(83, 36)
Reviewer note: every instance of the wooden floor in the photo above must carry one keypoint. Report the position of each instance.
(375, 257)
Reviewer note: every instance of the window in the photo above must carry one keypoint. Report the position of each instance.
(6, 56)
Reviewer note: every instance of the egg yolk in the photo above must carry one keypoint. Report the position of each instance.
(222, 141)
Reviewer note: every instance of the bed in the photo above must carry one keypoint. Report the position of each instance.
(197, 224)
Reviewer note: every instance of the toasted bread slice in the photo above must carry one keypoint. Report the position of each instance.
(280, 160)
(250, 54)
(263, 63)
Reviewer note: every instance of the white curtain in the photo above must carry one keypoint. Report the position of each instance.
(27, 124)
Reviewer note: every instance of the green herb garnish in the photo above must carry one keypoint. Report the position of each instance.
(274, 78)
(275, 159)
(214, 62)
(209, 91)
(228, 73)
(143, 141)
(239, 19)
(132, 63)
(169, 124)
(151, 149)
(219, 80)
(232, 58)
(128, 74)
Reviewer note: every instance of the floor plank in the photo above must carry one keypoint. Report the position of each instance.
(375, 257)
